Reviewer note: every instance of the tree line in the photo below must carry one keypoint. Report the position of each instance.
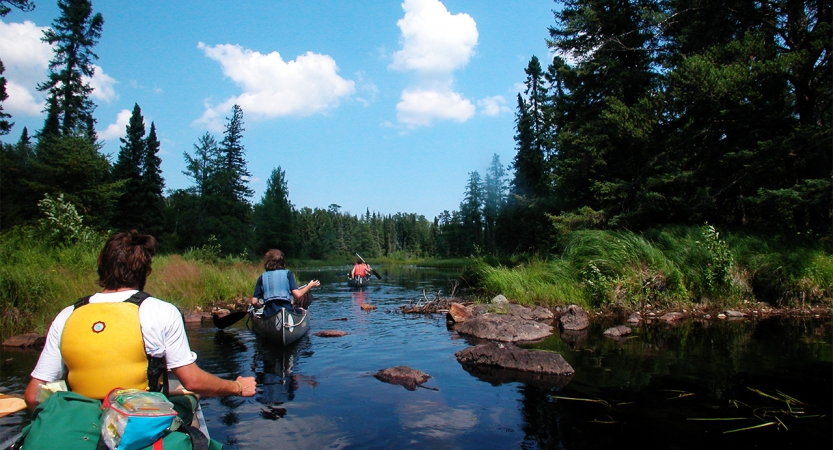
(667, 112)
(62, 162)
(650, 113)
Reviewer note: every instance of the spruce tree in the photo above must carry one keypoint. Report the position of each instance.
(153, 185)
(228, 207)
(273, 216)
(129, 211)
(73, 35)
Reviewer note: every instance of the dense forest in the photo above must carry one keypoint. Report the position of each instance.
(651, 113)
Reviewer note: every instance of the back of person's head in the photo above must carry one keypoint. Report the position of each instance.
(358, 261)
(125, 260)
(274, 260)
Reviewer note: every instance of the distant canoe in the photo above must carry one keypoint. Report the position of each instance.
(282, 328)
(358, 281)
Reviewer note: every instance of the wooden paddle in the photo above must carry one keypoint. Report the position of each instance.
(228, 320)
(10, 404)
(374, 272)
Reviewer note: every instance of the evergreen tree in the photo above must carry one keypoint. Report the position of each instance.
(129, 211)
(74, 166)
(471, 212)
(273, 217)
(18, 202)
(73, 35)
(493, 202)
(153, 185)
(228, 207)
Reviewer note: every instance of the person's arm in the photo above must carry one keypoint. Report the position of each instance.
(302, 291)
(31, 394)
(203, 383)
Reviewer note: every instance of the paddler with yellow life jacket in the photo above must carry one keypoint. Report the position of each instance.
(122, 337)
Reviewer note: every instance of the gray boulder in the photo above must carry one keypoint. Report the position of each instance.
(504, 327)
(621, 330)
(500, 300)
(508, 356)
(574, 319)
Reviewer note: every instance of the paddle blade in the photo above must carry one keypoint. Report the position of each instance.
(10, 405)
(227, 320)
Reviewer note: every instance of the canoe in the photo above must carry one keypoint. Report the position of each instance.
(282, 328)
(358, 281)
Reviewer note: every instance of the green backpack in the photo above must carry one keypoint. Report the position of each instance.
(70, 421)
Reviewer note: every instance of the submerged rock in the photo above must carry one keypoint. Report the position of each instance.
(672, 317)
(331, 333)
(404, 376)
(508, 356)
(621, 330)
(368, 307)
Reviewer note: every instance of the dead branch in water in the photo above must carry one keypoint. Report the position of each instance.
(431, 303)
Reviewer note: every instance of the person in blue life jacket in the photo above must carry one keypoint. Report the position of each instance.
(276, 287)
(113, 338)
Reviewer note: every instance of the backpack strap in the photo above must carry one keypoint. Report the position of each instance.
(198, 439)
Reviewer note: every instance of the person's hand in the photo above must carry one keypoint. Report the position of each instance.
(249, 386)
(314, 283)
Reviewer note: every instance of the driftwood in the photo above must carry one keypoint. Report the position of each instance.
(431, 303)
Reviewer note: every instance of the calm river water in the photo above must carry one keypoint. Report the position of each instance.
(642, 391)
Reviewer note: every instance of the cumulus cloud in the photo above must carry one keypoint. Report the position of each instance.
(434, 40)
(118, 129)
(421, 107)
(272, 87)
(435, 43)
(493, 106)
(102, 85)
(26, 59)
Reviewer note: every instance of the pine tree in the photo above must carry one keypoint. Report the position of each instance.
(273, 217)
(73, 35)
(493, 202)
(471, 211)
(153, 185)
(228, 207)
(129, 211)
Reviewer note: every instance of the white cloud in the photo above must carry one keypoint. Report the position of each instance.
(273, 87)
(118, 129)
(493, 106)
(102, 85)
(435, 43)
(434, 40)
(421, 107)
(26, 59)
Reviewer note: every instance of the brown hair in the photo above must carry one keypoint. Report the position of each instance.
(125, 260)
(274, 260)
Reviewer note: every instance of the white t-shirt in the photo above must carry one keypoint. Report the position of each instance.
(162, 329)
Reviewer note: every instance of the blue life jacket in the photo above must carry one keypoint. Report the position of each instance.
(276, 293)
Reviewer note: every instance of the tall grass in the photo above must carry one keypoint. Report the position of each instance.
(667, 268)
(39, 278)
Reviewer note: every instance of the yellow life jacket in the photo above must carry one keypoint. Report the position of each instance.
(103, 348)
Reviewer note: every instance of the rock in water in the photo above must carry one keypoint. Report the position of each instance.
(331, 333)
(458, 313)
(504, 327)
(621, 330)
(574, 319)
(403, 376)
(508, 356)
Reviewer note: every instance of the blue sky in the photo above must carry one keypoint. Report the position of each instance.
(379, 105)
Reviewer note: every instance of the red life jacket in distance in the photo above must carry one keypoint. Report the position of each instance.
(360, 271)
